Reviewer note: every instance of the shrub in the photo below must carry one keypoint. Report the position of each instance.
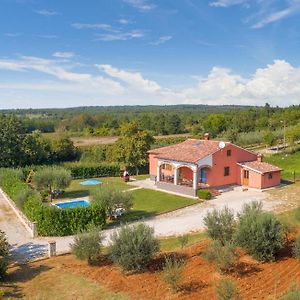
(296, 248)
(133, 247)
(226, 289)
(204, 194)
(110, 199)
(261, 234)
(183, 240)
(172, 272)
(224, 257)
(4, 251)
(220, 225)
(293, 293)
(87, 246)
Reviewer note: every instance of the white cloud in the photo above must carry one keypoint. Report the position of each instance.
(133, 79)
(162, 40)
(119, 36)
(11, 34)
(63, 54)
(141, 5)
(277, 83)
(124, 21)
(227, 3)
(267, 11)
(46, 36)
(100, 26)
(46, 12)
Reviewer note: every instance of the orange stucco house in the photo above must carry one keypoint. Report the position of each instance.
(194, 164)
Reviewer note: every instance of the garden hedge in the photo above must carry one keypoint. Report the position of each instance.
(79, 170)
(51, 221)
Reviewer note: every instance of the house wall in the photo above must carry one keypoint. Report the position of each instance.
(221, 160)
(186, 173)
(152, 166)
(275, 180)
(255, 179)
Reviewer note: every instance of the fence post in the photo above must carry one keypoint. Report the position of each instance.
(34, 229)
(52, 248)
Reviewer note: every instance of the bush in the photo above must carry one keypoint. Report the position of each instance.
(204, 194)
(4, 251)
(110, 199)
(87, 246)
(80, 170)
(296, 248)
(293, 293)
(224, 257)
(183, 240)
(133, 247)
(220, 225)
(172, 272)
(261, 234)
(226, 289)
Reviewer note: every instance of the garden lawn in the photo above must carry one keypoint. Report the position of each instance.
(147, 203)
(76, 190)
(288, 162)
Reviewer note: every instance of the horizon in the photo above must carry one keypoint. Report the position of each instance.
(148, 52)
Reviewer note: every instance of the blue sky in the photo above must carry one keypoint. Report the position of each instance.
(117, 52)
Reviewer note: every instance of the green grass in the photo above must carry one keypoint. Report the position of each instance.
(288, 162)
(76, 190)
(172, 243)
(148, 203)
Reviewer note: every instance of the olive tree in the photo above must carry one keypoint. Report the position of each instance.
(132, 247)
(110, 199)
(52, 178)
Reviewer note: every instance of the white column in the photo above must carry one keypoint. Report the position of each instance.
(175, 176)
(158, 173)
(195, 180)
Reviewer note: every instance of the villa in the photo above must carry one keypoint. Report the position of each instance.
(193, 164)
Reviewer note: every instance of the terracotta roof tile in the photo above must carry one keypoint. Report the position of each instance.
(188, 151)
(261, 167)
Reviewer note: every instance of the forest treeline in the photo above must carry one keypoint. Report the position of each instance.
(227, 121)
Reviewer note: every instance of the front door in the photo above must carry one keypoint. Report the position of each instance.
(203, 175)
(245, 177)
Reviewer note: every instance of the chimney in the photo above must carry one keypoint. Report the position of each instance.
(206, 136)
(259, 157)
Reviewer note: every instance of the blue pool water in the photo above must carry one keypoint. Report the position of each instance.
(72, 204)
(91, 182)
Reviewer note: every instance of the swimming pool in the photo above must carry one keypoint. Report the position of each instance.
(72, 204)
(91, 182)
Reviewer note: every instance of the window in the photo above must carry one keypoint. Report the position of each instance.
(270, 176)
(246, 174)
(228, 152)
(226, 171)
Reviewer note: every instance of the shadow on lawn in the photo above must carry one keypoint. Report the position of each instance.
(74, 194)
(22, 274)
(130, 216)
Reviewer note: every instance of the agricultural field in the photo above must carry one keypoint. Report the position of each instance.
(290, 163)
(64, 277)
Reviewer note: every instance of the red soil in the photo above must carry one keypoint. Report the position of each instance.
(254, 280)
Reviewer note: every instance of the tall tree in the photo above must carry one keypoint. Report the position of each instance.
(131, 148)
(11, 139)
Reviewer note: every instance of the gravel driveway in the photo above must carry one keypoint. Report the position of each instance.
(181, 221)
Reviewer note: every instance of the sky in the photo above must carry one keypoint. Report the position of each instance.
(142, 52)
